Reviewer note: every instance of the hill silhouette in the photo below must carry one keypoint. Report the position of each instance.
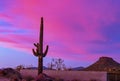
(104, 64)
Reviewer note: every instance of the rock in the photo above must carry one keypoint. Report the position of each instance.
(44, 77)
(28, 78)
(1, 72)
(4, 79)
(12, 74)
(59, 79)
(104, 64)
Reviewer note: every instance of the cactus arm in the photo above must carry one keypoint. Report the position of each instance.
(45, 53)
(35, 44)
(35, 52)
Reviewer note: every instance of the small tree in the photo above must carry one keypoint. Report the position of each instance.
(64, 67)
(51, 65)
(19, 67)
(57, 64)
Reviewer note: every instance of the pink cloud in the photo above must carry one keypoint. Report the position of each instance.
(5, 17)
(58, 15)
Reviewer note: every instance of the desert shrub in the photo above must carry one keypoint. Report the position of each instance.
(20, 67)
(28, 78)
(75, 80)
(57, 64)
(58, 79)
(94, 80)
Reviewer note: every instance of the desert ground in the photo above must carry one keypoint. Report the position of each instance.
(70, 75)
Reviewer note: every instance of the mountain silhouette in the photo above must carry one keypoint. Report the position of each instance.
(77, 68)
(104, 64)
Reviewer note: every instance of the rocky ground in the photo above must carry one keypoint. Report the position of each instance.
(9, 74)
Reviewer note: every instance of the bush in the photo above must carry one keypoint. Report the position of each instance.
(28, 78)
(93, 80)
(75, 80)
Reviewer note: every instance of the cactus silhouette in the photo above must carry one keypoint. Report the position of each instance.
(39, 49)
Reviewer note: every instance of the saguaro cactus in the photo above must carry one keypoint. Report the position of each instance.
(39, 49)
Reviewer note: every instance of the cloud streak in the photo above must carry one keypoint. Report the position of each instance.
(74, 29)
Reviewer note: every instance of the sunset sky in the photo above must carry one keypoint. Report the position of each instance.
(78, 31)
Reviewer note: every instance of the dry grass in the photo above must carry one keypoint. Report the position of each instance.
(69, 75)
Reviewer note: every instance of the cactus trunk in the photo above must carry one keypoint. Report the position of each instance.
(40, 65)
(39, 49)
(40, 58)
(41, 36)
